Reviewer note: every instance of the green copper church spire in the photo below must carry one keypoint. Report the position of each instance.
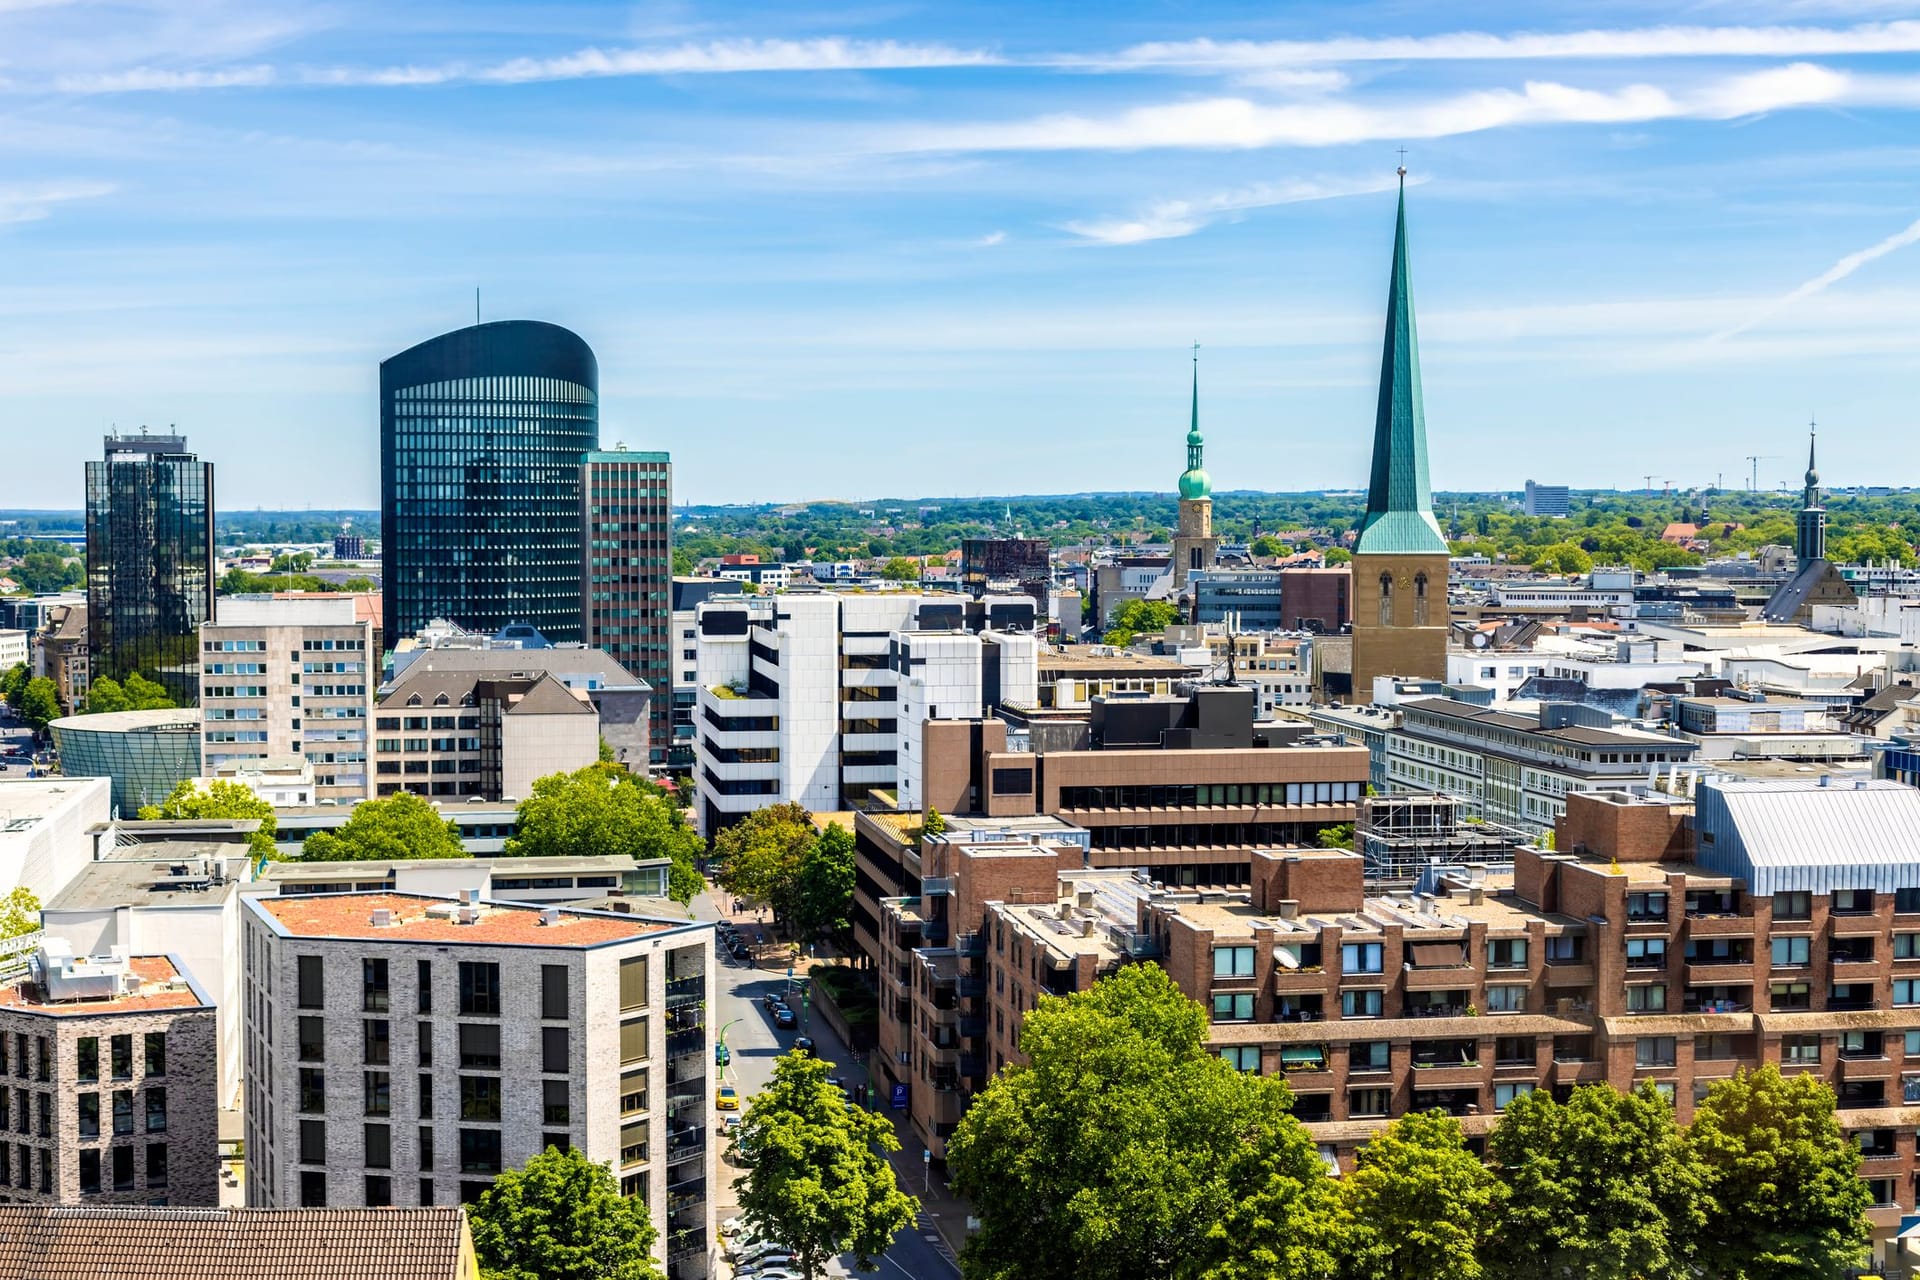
(1194, 482)
(1399, 517)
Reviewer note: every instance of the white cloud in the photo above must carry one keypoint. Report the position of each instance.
(1644, 42)
(1832, 275)
(991, 239)
(1172, 218)
(154, 79)
(30, 203)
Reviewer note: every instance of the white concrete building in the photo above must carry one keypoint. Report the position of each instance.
(43, 830)
(404, 1049)
(799, 696)
(286, 678)
(15, 649)
(278, 782)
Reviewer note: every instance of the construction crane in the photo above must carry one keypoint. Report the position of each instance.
(1755, 459)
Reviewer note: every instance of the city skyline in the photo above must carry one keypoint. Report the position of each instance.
(812, 250)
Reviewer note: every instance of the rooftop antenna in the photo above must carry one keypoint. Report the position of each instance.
(476, 304)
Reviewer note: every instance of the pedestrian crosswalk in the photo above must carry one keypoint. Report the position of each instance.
(930, 1232)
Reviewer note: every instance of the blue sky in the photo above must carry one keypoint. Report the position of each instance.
(905, 250)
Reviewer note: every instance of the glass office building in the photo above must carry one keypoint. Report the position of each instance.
(146, 753)
(629, 519)
(482, 436)
(150, 579)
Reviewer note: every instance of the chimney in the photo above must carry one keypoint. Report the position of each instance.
(382, 918)
(1084, 898)
(1289, 908)
(1826, 779)
(1476, 894)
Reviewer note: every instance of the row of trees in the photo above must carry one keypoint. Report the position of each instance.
(35, 699)
(596, 811)
(1125, 1148)
(804, 873)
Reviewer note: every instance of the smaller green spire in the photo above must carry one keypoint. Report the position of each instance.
(1194, 482)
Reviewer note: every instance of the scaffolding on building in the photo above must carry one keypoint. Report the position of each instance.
(1405, 835)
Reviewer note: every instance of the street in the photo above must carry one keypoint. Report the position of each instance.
(747, 1029)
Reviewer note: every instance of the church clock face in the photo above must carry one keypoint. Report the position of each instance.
(1404, 580)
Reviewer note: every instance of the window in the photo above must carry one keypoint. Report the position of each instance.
(156, 1109)
(89, 1172)
(1788, 952)
(1906, 990)
(373, 986)
(423, 987)
(378, 1192)
(1646, 953)
(633, 1041)
(313, 1189)
(1852, 901)
(479, 989)
(1906, 946)
(1793, 906)
(313, 1142)
(1790, 995)
(156, 1166)
(1386, 599)
(376, 1092)
(480, 1046)
(89, 1116)
(1653, 1051)
(423, 1041)
(1506, 999)
(555, 1102)
(1242, 1057)
(1507, 953)
(1232, 1007)
(375, 1041)
(88, 1049)
(122, 1112)
(426, 1146)
(1648, 999)
(480, 1151)
(122, 1058)
(1906, 901)
(1360, 957)
(155, 1047)
(1369, 1102)
(379, 1144)
(1233, 962)
(1514, 1051)
(553, 1050)
(1360, 1004)
(313, 1089)
(633, 984)
(479, 1097)
(1505, 1093)
(311, 983)
(553, 991)
(1419, 599)
(1646, 906)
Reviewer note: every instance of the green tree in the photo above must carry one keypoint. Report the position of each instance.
(1562, 557)
(760, 856)
(401, 825)
(823, 888)
(219, 800)
(561, 1217)
(1600, 1188)
(359, 582)
(602, 810)
(40, 703)
(1137, 617)
(1338, 836)
(1337, 555)
(1124, 1148)
(819, 1182)
(1267, 545)
(13, 686)
(19, 913)
(137, 694)
(1788, 1202)
(933, 824)
(1418, 1204)
(901, 569)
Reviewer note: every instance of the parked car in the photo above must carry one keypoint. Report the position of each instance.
(722, 1055)
(772, 1000)
(726, 1098)
(803, 1044)
(783, 1018)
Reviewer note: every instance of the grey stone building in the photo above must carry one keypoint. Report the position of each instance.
(403, 1049)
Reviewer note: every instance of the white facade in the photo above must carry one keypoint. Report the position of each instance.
(282, 678)
(43, 830)
(800, 696)
(14, 649)
(952, 676)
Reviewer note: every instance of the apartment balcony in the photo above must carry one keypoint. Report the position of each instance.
(1877, 1067)
(1312, 979)
(936, 886)
(1854, 924)
(1718, 973)
(1719, 925)
(1438, 979)
(1853, 968)
(1570, 1071)
(970, 944)
(1569, 974)
(1439, 1075)
(686, 991)
(973, 1027)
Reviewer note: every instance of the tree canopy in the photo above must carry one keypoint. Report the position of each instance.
(19, 912)
(603, 811)
(35, 699)
(1141, 617)
(561, 1217)
(1124, 1148)
(137, 694)
(401, 825)
(759, 857)
(818, 1181)
(190, 802)
(1418, 1205)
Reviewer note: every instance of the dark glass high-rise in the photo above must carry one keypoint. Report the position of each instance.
(482, 433)
(150, 575)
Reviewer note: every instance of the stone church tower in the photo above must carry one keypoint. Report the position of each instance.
(1400, 616)
(1194, 545)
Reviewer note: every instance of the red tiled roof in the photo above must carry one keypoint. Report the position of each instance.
(350, 915)
(154, 995)
(47, 1242)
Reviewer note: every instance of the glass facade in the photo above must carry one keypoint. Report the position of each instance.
(150, 578)
(629, 577)
(482, 436)
(146, 753)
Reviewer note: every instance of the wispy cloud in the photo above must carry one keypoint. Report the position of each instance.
(991, 239)
(30, 203)
(1169, 219)
(1241, 123)
(155, 79)
(1480, 46)
(1831, 276)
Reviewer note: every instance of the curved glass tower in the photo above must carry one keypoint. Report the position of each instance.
(482, 433)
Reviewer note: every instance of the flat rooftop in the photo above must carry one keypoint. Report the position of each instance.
(416, 918)
(115, 883)
(34, 798)
(611, 864)
(490, 810)
(1078, 658)
(163, 986)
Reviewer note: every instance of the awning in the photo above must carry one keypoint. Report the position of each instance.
(1436, 955)
(1302, 1053)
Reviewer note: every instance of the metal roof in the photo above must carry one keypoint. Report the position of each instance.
(1792, 835)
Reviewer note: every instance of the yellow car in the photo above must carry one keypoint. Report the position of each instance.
(726, 1098)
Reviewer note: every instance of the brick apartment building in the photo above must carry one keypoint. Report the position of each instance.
(1671, 942)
